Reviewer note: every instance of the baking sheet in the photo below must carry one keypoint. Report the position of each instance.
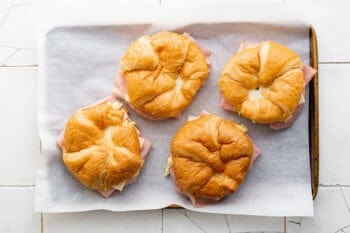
(78, 67)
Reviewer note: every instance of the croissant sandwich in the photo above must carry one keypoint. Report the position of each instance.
(102, 148)
(265, 83)
(161, 74)
(210, 158)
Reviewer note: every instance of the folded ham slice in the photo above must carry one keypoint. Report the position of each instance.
(308, 73)
(226, 105)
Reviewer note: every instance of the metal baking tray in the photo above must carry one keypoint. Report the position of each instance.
(313, 115)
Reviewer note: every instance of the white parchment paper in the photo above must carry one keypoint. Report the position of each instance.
(78, 66)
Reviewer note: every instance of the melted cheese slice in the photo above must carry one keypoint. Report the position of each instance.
(120, 186)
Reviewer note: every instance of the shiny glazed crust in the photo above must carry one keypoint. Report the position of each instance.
(163, 73)
(210, 157)
(101, 146)
(272, 71)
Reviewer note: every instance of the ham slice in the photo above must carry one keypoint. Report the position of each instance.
(308, 73)
(247, 44)
(202, 202)
(120, 87)
(59, 139)
(146, 145)
(256, 153)
(108, 193)
(226, 105)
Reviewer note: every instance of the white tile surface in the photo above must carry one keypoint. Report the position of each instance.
(104, 222)
(333, 40)
(5, 5)
(23, 57)
(334, 83)
(20, 143)
(255, 224)
(19, 136)
(196, 3)
(17, 211)
(327, 17)
(332, 214)
(18, 28)
(6, 53)
(179, 220)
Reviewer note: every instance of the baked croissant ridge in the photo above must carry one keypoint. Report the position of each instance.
(102, 148)
(265, 83)
(161, 74)
(210, 158)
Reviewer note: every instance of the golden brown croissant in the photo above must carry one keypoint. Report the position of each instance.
(102, 148)
(161, 74)
(264, 82)
(210, 158)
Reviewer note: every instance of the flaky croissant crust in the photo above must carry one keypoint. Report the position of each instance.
(101, 146)
(263, 83)
(163, 73)
(210, 157)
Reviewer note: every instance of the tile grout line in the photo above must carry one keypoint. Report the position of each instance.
(227, 224)
(17, 66)
(17, 186)
(10, 56)
(11, 47)
(9, 11)
(162, 228)
(3, 19)
(345, 201)
(334, 186)
(333, 62)
(193, 222)
(41, 223)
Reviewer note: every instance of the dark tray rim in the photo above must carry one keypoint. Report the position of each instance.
(314, 115)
